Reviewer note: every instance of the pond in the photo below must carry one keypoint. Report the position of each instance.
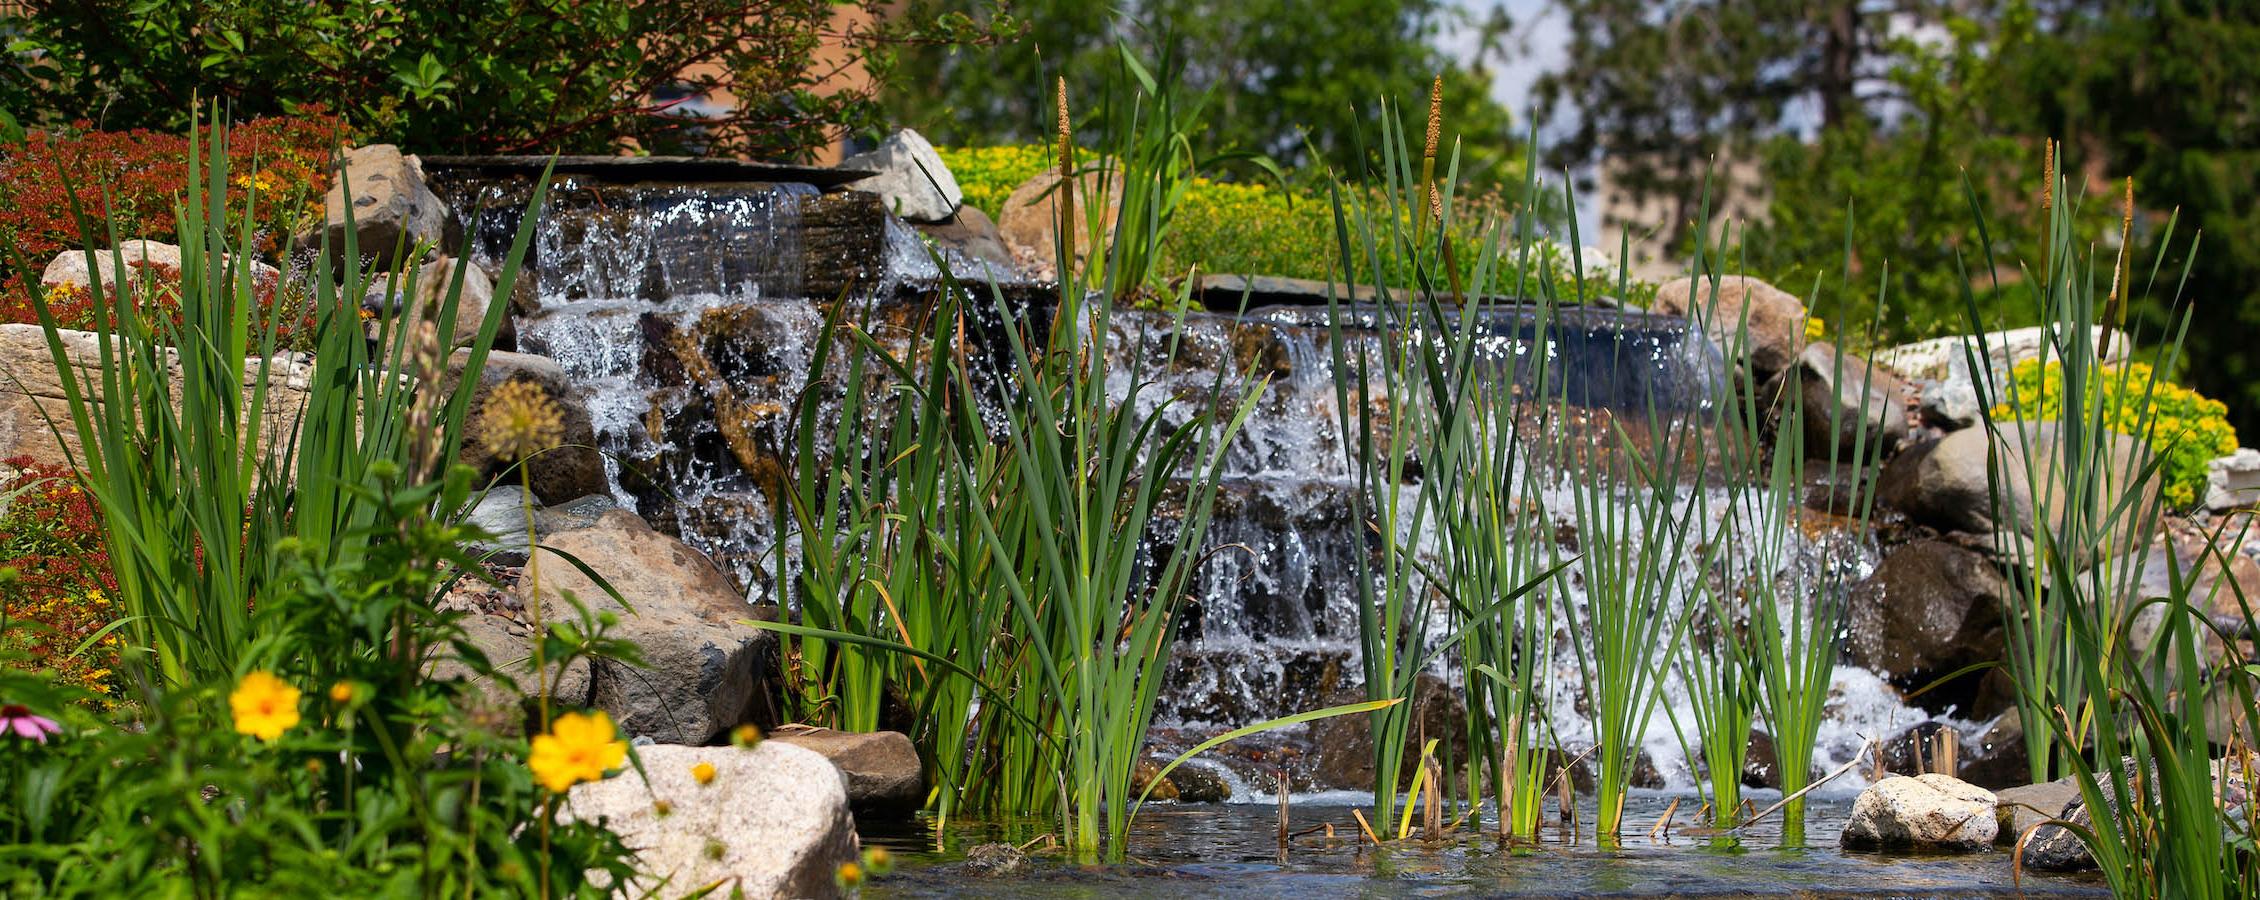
(1231, 850)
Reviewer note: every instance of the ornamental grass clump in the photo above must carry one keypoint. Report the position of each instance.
(257, 554)
(2124, 682)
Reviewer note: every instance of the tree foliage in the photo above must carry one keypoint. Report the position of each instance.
(1281, 72)
(516, 76)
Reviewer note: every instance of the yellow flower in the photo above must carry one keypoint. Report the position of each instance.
(704, 772)
(264, 706)
(519, 420)
(579, 747)
(745, 736)
(851, 875)
(341, 693)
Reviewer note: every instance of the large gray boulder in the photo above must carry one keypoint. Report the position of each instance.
(2233, 481)
(69, 267)
(773, 820)
(1947, 485)
(33, 401)
(1775, 320)
(392, 206)
(911, 179)
(684, 614)
(385, 300)
(1929, 812)
(506, 696)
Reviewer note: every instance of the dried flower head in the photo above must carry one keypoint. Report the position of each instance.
(519, 420)
(264, 706)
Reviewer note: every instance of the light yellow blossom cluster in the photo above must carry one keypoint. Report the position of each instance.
(2187, 428)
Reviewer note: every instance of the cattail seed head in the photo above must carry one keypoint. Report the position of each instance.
(2048, 176)
(1435, 116)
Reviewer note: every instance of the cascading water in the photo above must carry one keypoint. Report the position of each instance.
(685, 314)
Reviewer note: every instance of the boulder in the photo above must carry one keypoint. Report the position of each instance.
(1927, 812)
(772, 822)
(2233, 481)
(2026, 806)
(574, 469)
(1029, 220)
(702, 660)
(33, 403)
(2221, 583)
(1343, 745)
(1840, 395)
(1946, 485)
(882, 768)
(69, 266)
(1928, 609)
(1947, 358)
(1942, 367)
(1776, 320)
(1996, 756)
(433, 281)
(995, 861)
(912, 180)
(392, 207)
(506, 695)
(970, 241)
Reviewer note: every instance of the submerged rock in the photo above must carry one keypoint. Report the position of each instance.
(995, 861)
(1927, 812)
(772, 821)
(882, 768)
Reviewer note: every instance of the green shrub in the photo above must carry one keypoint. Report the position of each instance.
(442, 77)
(1260, 228)
(2186, 428)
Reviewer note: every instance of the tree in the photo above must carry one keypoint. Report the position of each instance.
(1665, 93)
(515, 76)
(1281, 72)
(2167, 92)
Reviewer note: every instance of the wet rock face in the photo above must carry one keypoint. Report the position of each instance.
(773, 821)
(1927, 813)
(1344, 744)
(1929, 609)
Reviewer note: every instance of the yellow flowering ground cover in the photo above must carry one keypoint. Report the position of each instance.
(2187, 428)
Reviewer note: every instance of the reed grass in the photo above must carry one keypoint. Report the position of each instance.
(2127, 716)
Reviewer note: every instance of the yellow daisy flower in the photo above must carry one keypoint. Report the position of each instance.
(579, 747)
(264, 706)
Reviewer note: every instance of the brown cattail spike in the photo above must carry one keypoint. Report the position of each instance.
(1435, 116)
(2048, 176)
(1066, 201)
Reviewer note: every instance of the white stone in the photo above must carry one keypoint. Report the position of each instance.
(69, 266)
(773, 822)
(2233, 481)
(912, 180)
(1926, 812)
(1947, 359)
